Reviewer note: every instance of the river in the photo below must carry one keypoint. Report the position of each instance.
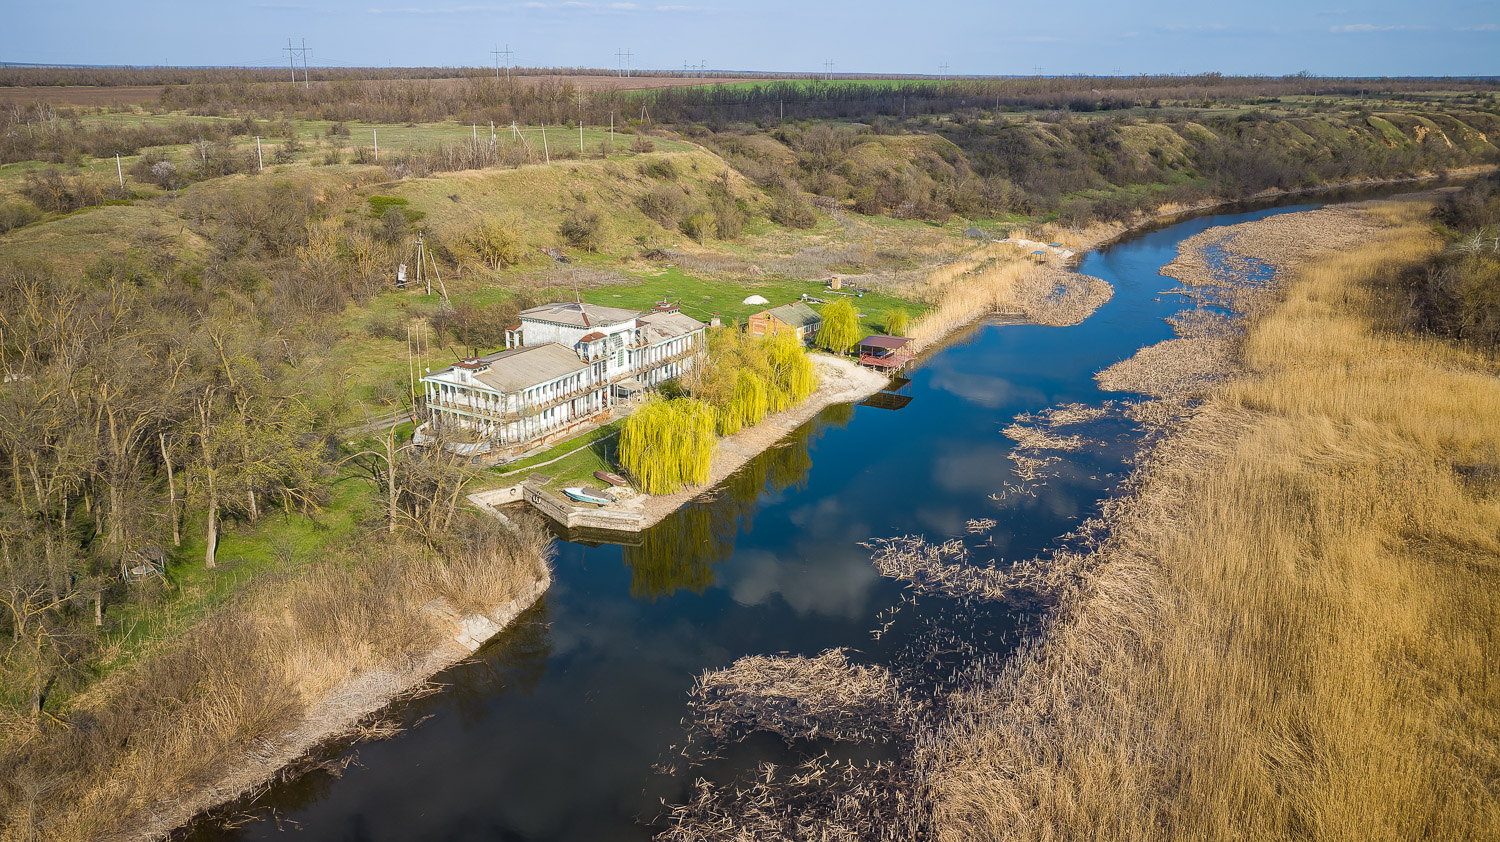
(552, 731)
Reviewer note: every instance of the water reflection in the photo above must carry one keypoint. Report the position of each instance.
(680, 553)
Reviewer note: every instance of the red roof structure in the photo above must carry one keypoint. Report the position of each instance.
(886, 352)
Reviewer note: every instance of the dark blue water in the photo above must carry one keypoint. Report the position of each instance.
(552, 732)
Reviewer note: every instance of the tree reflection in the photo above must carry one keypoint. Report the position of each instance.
(680, 552)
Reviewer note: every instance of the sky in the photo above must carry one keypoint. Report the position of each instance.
(1387, 37)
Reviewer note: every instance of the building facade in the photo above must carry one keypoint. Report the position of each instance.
(563, 365)
(796, 317)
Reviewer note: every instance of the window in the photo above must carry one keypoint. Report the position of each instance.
(620, 358)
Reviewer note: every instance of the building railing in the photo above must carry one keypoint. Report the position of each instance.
(525, 410)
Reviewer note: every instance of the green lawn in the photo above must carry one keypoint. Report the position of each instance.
(566, 447)
(701, 298)
(578, 469)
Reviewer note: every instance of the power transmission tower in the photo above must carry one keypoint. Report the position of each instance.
(291, 56)
(497, 53)
(1036, 70)
(944, 68)
(622, 63)
(828, 67)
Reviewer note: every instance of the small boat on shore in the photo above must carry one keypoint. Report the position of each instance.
(583, 495)
(613, 479)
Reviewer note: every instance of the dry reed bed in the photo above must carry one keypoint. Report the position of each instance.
(1289, 632)
(823, 698)
(801, 698)
(297, 661)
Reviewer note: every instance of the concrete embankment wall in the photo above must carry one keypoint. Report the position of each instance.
(558, 508)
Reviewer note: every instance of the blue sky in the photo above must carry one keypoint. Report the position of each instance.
(1437, 37)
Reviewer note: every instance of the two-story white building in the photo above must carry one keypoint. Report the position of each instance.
(563, 365)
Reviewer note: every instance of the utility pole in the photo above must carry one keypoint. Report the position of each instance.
(496, 53)
(375, 136)
(305, 83)
(291, 60)
(119, 171)
(260, 162)
(545, 152)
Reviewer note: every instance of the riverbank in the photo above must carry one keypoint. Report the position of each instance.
(1288, 630)
(227, 701)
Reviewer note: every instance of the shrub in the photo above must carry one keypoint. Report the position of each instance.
(698, 225)
(792, 211)
(583, 228)
(15, 214)
(642, 144)
(729, 220)
(666, 204)
(497, 244)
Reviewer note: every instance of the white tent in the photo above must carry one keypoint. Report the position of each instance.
(755, 299)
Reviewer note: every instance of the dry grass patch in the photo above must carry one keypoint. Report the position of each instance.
(206, 712)
(1290, 634)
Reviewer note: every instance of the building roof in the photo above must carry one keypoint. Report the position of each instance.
(660, 327)
(890, 343)
(521, 368)
(591, 337)
(578, 314)
(795, 314)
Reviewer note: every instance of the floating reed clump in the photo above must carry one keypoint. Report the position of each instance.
(1031, 438)
(819, 800)
(801, 698)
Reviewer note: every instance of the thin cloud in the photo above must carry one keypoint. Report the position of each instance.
(428, 10)
(1483, 27)
(1370, 27)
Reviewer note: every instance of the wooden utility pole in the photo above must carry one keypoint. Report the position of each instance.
(119, 171)
(260, 161)
(419, 264)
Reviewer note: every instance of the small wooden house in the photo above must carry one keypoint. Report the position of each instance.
(796, 317)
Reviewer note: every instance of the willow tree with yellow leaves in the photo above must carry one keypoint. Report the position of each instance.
(667, 444)
(745, 378)
(840, 328)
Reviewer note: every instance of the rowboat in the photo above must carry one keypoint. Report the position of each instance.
(582, 495)
(613, 479)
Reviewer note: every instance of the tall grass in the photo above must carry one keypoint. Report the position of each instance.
(1292, 632)
(235, 685)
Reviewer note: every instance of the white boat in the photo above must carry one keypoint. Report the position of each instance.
(583, 495)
